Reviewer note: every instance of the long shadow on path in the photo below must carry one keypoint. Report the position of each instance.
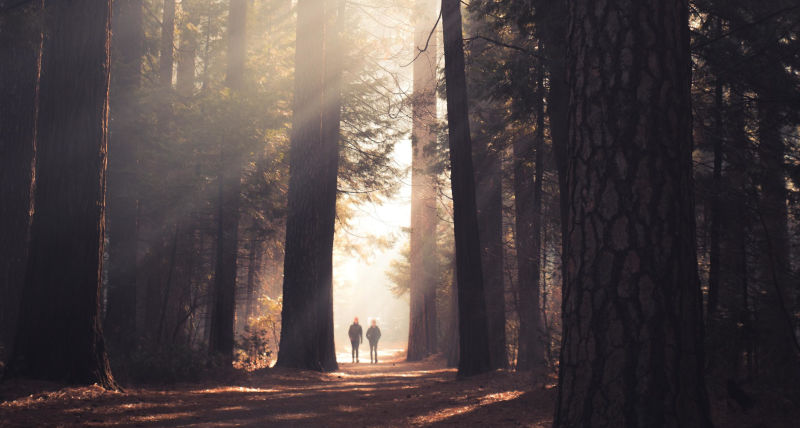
(387, 394)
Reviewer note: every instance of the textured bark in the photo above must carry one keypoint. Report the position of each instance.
(632, 342)
(59, 336)
(489, 201)
(229, 197)
(473, 330)
(422, 319)
(307, 315)
(529, 170)
(20, 47)
(127, 46)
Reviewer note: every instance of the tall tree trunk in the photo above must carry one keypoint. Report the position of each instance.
(716, 202)
(489, 200)
(20, 61)
(632, 314)
(59, 336)
(307, 315)
(473, 330)
(128, 50)
(778, 354)
(229, 177)
(422, 319)
(729, 321)
(529, 236)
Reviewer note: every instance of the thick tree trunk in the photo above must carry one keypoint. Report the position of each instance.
(529, 237)
(307, 315)
(20, 60)
(632, 313)
(59, 336)
(128, 50)
(422, 320)
(229, 196)
(473, 330)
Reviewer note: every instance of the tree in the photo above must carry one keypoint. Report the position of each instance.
(529, 170)
(630, 257)
(127, 45)
(20, 48)
(229, 189)
(307, 314)
(59, 336)
(472, 325)
(422, 320)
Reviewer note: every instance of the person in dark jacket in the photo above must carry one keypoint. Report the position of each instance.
(373, 335)
(356, 337)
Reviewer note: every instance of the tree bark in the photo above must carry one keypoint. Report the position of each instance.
(422, 320)
(128, 50)
(307, 315)
(473, 330)
(20, 61)
(632, 314)
(59, 336)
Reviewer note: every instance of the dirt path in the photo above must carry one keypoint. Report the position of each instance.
(393, 393)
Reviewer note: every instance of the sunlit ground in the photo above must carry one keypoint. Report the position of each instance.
(392, 393)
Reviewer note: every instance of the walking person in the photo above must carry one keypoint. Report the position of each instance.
(356, 337)
(373, 335)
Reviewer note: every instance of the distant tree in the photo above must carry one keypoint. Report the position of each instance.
(473, 330)
(307, 314)
(422, 321)
(59, 336)
(529, 172)
(20, 47)
(229, 189)
(632, 343)
(127, 45)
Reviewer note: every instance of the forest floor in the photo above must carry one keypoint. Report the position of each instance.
(392, 393)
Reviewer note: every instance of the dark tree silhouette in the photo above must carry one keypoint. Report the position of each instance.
(20, 47)
(59, 336)
(229, 189)
(632, 342)
(473, 331)
(489, 202)
(529, 171)
(307, 315)
(127, 47)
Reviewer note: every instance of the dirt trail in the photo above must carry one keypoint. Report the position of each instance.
(393, 393)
